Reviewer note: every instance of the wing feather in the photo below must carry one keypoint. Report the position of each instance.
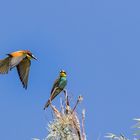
(5, 65)
(56, 84)
(23, 69)
(16, 60)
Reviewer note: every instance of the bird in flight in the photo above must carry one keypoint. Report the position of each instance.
(22, 61)
(58, 86)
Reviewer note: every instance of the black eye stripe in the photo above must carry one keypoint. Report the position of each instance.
(29, 54)
(62, 72)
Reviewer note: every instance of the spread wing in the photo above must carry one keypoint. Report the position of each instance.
(9, 62)
(5, 65)
(16, 60)
(23, 71)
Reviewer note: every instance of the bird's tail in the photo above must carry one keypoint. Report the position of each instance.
(5, 65)
(54, 93)
(47, 104)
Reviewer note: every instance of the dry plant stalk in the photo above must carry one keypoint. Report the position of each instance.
(66, 124)
(136, 134)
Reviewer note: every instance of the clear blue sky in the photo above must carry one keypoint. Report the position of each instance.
(96, 41)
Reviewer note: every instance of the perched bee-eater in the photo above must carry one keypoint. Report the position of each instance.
(21, 60)
(58, 86)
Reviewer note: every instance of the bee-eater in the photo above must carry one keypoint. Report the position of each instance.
(58, 86)
(20, 60)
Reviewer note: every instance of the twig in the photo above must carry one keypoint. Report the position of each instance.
(83, 127)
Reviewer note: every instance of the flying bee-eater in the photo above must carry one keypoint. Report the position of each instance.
(22, 61)
(58, 86)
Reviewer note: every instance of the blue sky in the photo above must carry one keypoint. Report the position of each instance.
(96, 41)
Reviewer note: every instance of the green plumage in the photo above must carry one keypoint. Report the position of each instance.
(58, 86)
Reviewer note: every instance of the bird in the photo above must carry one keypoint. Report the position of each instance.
(58, 86)
(22, 61)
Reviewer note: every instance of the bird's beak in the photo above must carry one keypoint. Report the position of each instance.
(34, 57)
